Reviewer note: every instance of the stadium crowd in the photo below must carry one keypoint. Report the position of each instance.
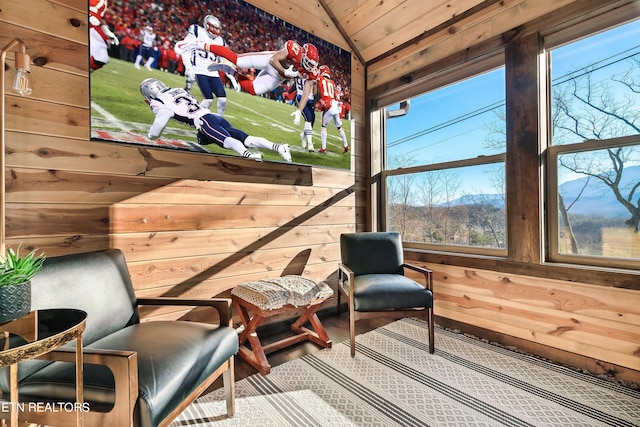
(244, 27)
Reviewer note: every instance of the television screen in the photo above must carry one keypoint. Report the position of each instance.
(219, 78)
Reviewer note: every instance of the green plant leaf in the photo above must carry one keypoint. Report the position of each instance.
(15, 269)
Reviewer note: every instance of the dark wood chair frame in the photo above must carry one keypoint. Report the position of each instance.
(345, 285)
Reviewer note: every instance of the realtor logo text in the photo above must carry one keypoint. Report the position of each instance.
(44, 407)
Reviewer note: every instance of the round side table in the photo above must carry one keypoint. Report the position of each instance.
(35, 335)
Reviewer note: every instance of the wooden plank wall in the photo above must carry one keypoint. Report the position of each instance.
(594, 321)
(189, 224)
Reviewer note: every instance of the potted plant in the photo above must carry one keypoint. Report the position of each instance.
(15, 283)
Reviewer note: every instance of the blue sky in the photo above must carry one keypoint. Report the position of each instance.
(453, 122)
(433, 113)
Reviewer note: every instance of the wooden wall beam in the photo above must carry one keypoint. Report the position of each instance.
(523, 150)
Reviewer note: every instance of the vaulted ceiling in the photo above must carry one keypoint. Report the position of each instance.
(395, 41)
(377, 28)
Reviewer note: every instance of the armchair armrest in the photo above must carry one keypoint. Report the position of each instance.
(124, 367)
(221, 305)
(343, 270)
(424, 271)
(90, 355)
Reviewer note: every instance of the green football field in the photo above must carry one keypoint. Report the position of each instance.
(117, 105)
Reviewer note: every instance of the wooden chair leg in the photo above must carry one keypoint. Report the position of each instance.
(254, 354)
(352, 330)
(228, 379)
(318, 335)
(431, 331)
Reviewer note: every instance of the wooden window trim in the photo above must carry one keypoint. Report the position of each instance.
(552, 212)
(557, 29)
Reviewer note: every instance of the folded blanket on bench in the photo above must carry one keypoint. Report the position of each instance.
(273, 293)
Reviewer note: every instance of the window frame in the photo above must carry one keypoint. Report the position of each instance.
(553, 40)
(442, 79)
(476, 161)
(552, 215)
(530, 254)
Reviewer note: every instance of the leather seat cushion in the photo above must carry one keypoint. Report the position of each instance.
(174, 357)
(374, 292)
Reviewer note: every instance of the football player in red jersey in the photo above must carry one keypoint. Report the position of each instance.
(328, 105)
(289, 62)
(99, 33)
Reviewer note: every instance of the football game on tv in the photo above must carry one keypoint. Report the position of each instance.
(220, 78)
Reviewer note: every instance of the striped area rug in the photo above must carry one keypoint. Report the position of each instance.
(394, 381)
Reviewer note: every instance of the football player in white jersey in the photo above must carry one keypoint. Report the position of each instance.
(308, 112)
(196, 62)
(167, 103)
(148, 39)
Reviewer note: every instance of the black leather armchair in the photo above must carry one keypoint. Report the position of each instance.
(135, 373)
(371, 276)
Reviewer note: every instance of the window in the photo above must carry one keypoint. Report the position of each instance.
(594, 159)
(443, 177)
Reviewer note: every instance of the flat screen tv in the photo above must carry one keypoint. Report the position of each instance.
(132, 41)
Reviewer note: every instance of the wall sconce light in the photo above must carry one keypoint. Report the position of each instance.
(22, 85)
(22, 82)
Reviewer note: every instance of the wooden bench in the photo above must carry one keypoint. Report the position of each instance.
(256, 303)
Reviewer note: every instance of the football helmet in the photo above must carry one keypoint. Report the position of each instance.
(150, 88)
(324, 71)
(309, 58)
(212, 25)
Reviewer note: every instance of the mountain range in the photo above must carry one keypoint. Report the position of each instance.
(596, 197)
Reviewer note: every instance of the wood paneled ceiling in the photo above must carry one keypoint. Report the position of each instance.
(376, 29)
(397, 41)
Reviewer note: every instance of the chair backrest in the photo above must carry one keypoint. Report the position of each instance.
(95, 282)
(372, 252)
